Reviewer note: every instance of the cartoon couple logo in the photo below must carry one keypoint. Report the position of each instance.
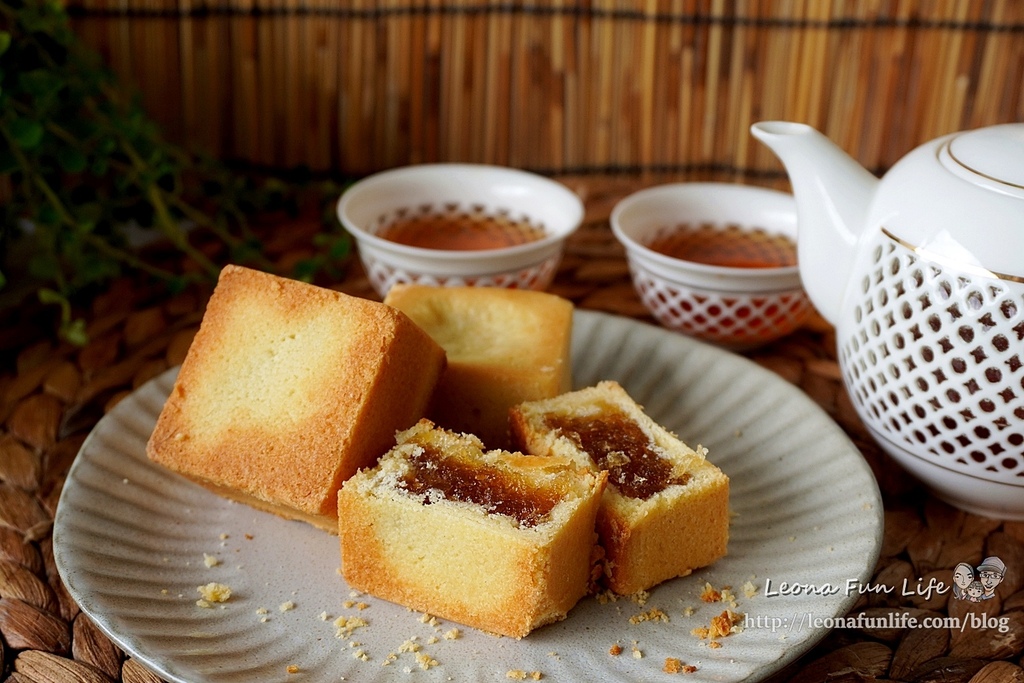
(978, 584)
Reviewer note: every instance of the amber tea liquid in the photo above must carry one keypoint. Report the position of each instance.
(460, 230)
(730, 246)
(734, 247)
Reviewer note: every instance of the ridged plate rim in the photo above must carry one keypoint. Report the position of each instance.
(130, 540)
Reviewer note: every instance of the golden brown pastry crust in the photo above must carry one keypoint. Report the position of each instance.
(504, 347)
(288, 389)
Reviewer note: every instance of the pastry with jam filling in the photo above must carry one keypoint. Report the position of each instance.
(495, 540)
(665, 511)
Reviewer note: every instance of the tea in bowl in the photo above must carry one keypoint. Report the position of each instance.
(459, 224)
(715, 261)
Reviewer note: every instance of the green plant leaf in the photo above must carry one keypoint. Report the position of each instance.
(27, 133)
(39, 83)
(71, 159)
(305, 269)
(74, 332)
(5, 41)
(341, 247)
(99, 166)
(47, 215)
(52, 296)
(177, 284)
(107, 146)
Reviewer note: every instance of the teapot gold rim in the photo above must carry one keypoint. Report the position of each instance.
(944, 260)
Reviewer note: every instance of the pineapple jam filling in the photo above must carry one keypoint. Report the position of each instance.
(617, 444)
(497, 491)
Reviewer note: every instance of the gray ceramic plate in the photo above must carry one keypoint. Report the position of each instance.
(131, 542)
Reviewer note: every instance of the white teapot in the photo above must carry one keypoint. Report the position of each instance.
(922, 274)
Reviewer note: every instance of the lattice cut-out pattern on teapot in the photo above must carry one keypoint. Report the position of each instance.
(934, 358)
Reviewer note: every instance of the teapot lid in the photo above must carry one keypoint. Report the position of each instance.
(992, 156)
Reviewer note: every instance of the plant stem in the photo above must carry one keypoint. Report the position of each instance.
(202, 219)
(172, 229)
(131, 259)
(168, 226)
(67, 219)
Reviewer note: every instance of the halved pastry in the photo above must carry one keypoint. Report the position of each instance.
(665, 511)
(491, 539)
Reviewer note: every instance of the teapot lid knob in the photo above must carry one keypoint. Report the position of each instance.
(992, 156)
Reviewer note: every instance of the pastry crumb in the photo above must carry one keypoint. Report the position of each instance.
(293, 669)
(709, 594)
(213, 592)
(286, 606)
(349, 604)
(723, 625)
(344, 626)
(653, 614)
(674, 665)
(615, 650)
(425, 661)
(210, 560)
(640, 597)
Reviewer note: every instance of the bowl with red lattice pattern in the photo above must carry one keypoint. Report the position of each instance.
(715, 261)
(452, 224)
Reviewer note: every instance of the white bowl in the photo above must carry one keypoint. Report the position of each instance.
(735, 307)
(370, 204)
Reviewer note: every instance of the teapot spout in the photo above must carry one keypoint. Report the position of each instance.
(833, 194)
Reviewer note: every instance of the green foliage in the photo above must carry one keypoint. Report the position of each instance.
(85, 163)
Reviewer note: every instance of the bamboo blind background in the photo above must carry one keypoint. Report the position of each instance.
(658, 86)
